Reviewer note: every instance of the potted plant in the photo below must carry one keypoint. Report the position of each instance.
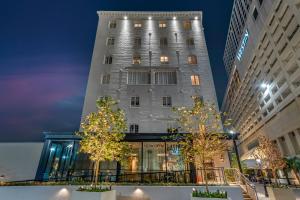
(102, 140)
(204, 195)
(93, 193)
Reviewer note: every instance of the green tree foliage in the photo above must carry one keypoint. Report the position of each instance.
(103, 134)
(293, 163)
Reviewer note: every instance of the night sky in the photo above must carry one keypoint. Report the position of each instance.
(45, 54)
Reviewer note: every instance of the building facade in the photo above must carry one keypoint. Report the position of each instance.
(262, 96)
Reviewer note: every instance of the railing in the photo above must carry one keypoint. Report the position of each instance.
(233, 176)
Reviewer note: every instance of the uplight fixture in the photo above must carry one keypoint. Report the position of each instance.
(174, 18)
(125, 17)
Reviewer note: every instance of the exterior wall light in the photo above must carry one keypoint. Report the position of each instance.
(264, 85)
(125, 17)
(196, 18)
(149, 17)
(174, 18)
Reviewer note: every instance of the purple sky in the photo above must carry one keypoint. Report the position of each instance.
(45, 54)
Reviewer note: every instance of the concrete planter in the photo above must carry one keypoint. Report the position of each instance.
(280, 194)
(79, 195)
(206, 198)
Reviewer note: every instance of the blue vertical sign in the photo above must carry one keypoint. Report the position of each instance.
(243, 45)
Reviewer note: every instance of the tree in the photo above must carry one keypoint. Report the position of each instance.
(234, 162)
(204, 140)
(103, 134)
(293, 163)
(270, 156)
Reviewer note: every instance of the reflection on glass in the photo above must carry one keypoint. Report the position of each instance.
(154, 156)
(174, 158)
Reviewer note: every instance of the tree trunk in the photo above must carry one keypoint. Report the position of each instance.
(96, 172)
(205, 177)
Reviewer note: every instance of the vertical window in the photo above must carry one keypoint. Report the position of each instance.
(164, 59)
(136, 59)
(163, 42)
(165, 78)
(133, 128)
(190, 42)
(135, 101)
(138, 78)
(195, 80)
(167, 101)
(137, 42)
(260, 2)
(105, 79)
(255, 14)
(112, 24)
(108, 60)
(110, 41)
(162, 24)
(192, 59)
(137, 25)
(187, 25)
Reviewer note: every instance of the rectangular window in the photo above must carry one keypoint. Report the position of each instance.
(163, 42)
(133, 128)
(110, 41)
(136, 60)
(165, 78)
(162, 24)
(108, 60)
(167, 101)
(135, 102)
(192, 60)
(255, 14)
(195, 80)
(138, 78)
(105, 79)
(187, 25)
(137, 42)
(112, 24)
(137, 25)
(164, 59)
(190, 42)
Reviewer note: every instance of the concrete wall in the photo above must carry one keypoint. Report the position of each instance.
(138, 192)
(19, 161)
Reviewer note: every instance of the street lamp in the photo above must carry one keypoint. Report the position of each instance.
(234, 136)
(263, 177)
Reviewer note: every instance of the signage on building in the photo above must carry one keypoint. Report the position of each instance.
(243, 45)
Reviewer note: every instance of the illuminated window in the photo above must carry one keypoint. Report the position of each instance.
(110, 41)
(192, 59)
(187, 25)
(162, 24)
(136, 59)
(135, 101)
(133, 128)
(190, 42)
(105, 79)
(195, 80)
(137, 25)
(167, 101)
(137, 42)
(112, 24)
(164, 59)
(108, 60)
(163, 42)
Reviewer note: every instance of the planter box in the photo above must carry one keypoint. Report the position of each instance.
(280, 194)
(206, 198)
(78, 195)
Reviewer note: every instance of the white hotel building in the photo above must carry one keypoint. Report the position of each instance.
(263, 93)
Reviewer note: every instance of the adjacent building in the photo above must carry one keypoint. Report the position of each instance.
(262, 96)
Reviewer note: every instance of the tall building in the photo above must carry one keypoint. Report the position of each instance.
(238, 19)
(150, 62)
(262, 96)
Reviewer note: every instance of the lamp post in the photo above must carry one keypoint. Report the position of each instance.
(263, 177)
(234, 136)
